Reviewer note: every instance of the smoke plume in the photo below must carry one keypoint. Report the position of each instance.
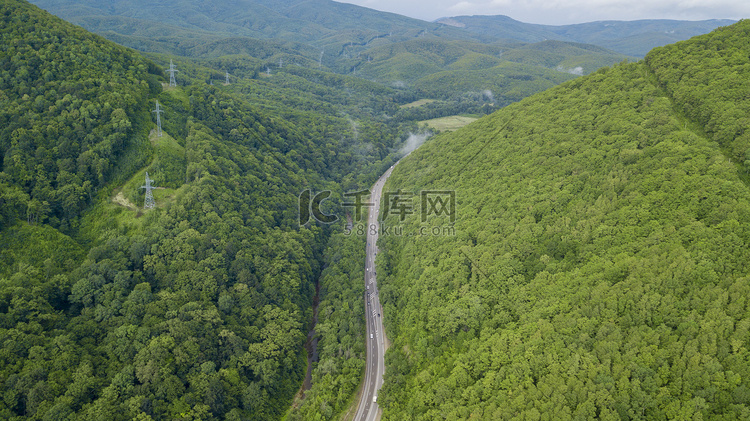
(414, 141)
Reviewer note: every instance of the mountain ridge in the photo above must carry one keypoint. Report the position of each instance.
(625, 37)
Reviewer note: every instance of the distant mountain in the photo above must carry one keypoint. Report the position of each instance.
(633, 38)
(511, 71)
(440, 60)
(315, 32)
(184, 26)
(316, 22)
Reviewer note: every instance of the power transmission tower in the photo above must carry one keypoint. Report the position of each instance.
(158, 111)
(226, 81)
(268, 71)
(149, 202)
(171, 71)
(320, 59)
(281, 64)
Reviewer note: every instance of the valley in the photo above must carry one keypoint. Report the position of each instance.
(564, 234)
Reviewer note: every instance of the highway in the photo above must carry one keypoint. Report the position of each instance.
(368, 410)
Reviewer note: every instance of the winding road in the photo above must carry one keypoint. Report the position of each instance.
(368, 410)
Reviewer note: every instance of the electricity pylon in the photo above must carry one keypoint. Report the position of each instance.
(171, 71)
(158, 111)
(149, 202)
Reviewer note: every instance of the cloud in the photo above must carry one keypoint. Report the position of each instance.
(578, 70)
(461, 7)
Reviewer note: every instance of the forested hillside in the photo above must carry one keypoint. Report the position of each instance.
(68, 103)
(596, 267)
(323, 23)
(340, 37)
(511, 71)
(597, 264)
(197, 309)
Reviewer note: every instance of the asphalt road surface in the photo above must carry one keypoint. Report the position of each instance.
(368, 410)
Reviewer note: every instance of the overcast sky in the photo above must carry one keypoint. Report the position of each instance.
(565, 11)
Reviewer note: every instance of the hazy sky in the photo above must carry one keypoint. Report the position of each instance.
(565, 11)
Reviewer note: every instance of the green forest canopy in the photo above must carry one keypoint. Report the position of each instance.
(597, 267)
(199, 308)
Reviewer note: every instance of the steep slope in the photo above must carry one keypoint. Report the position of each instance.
(68, 103)
(708, 81)
(595, 265)
(634, 38)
